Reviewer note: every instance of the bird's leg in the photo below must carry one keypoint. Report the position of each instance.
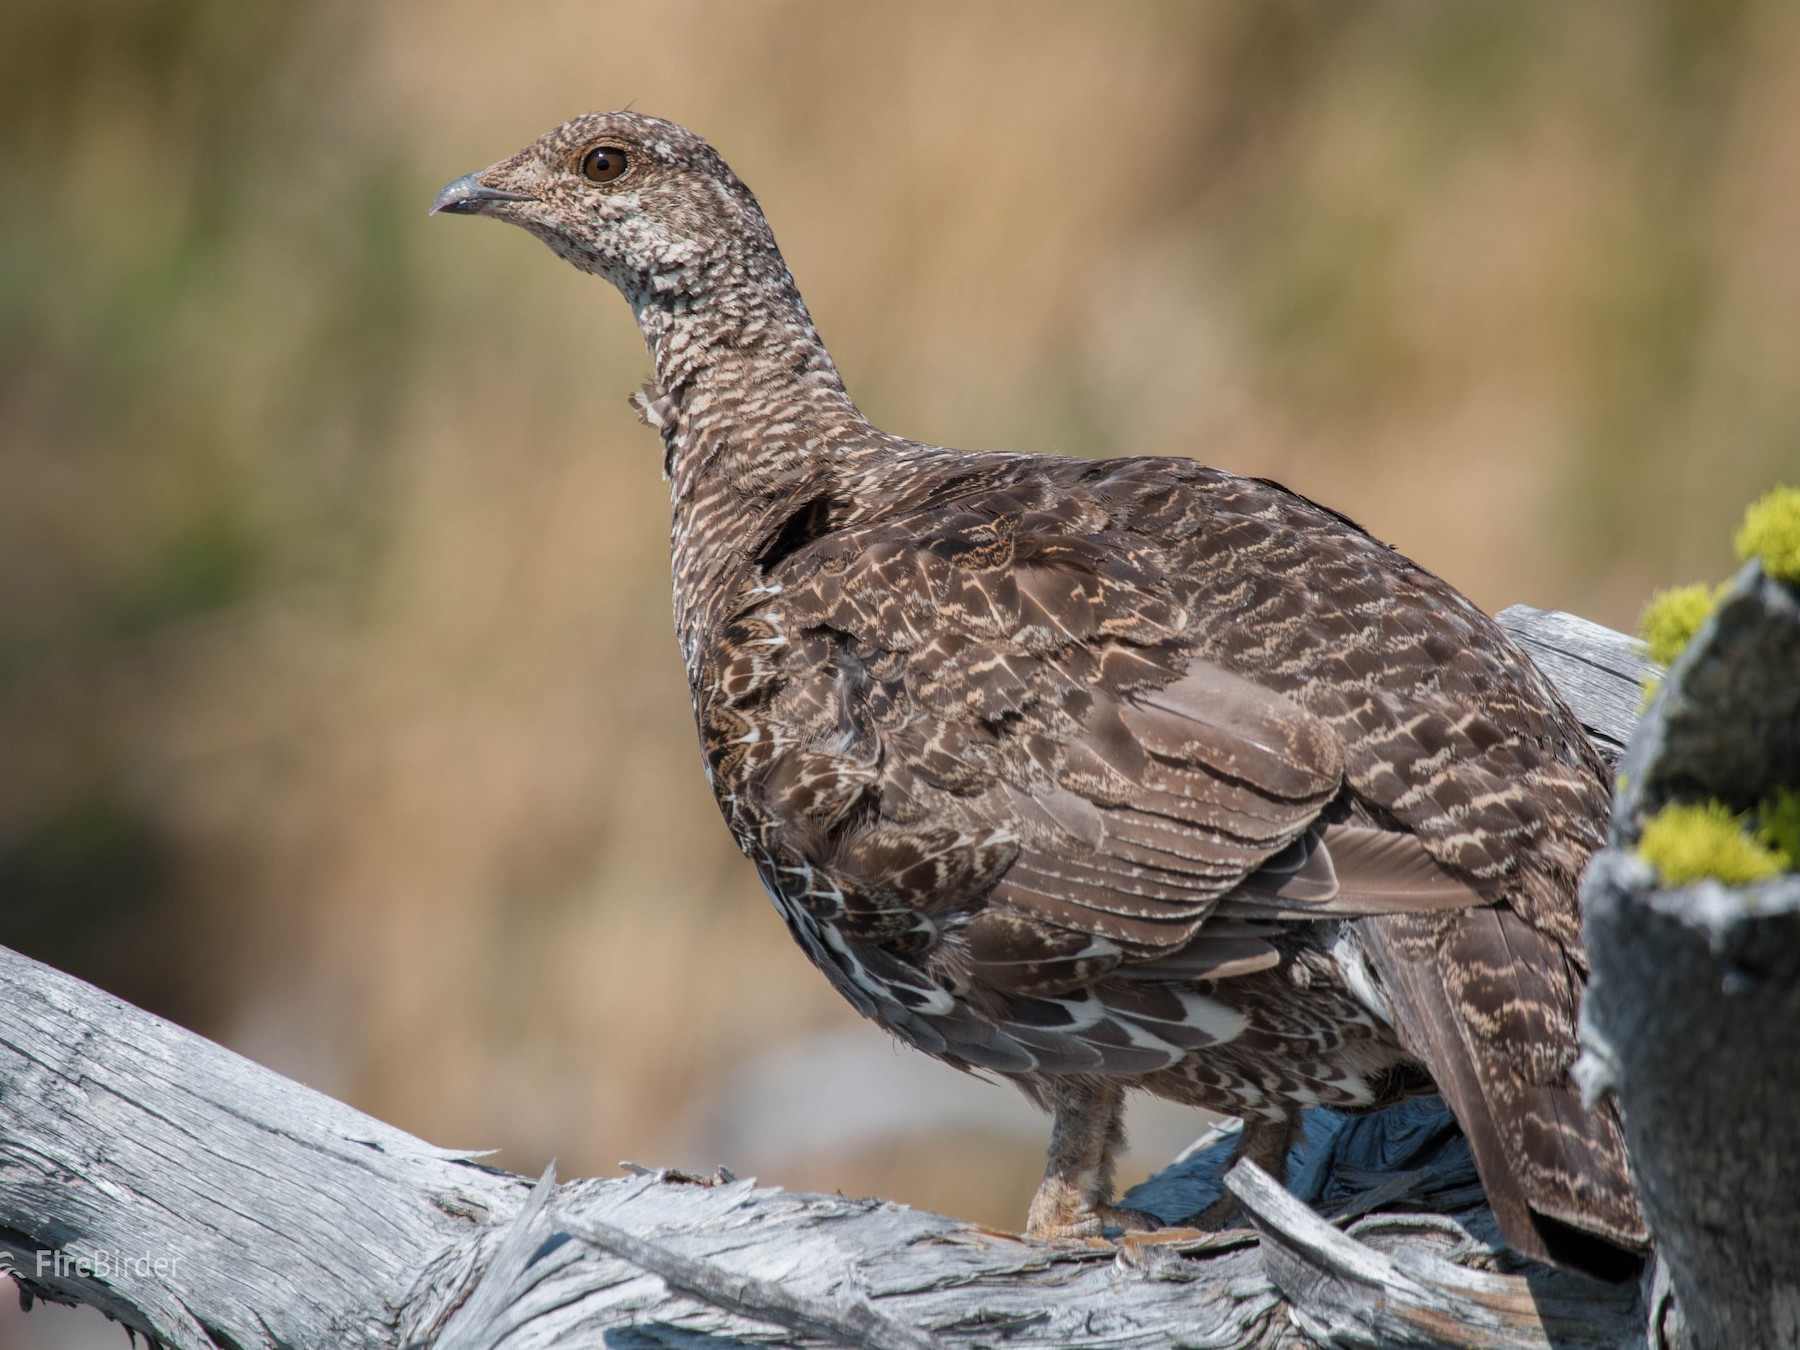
(1075, 1198)
(1265, 1143)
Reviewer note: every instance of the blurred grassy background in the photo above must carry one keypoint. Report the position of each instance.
(341, 713)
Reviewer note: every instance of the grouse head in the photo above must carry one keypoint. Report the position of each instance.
(642, 202)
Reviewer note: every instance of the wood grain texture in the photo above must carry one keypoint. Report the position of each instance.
(1598, 672)
(1343, 1290)
(282, 1216)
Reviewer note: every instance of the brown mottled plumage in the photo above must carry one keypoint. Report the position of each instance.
(1099, 776)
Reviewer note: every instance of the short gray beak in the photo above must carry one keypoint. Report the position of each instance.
(468, 195)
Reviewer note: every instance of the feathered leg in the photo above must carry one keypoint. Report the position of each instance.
(1075, 1198)
(1265, 1143)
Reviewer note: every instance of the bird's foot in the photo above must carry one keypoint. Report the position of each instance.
(1220, 1215)
(1093, 1221)
(1060, 1212)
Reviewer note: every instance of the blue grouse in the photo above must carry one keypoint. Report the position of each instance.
(1099, 776)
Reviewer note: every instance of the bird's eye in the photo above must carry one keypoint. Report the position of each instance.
(603, 163)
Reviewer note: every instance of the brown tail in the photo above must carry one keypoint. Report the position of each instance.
(1488, 1003)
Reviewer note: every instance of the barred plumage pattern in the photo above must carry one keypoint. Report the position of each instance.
(1099, 775)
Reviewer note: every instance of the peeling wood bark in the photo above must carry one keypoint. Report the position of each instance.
(284, 1218)
(1343, 1291)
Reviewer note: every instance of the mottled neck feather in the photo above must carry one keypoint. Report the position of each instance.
(753, 415)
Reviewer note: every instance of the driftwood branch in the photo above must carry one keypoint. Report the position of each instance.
(204, 1201)
(1343, 1289)
(199, 1198)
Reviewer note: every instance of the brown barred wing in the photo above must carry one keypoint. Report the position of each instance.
(1006, 678)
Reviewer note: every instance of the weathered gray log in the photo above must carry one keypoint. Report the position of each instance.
(1693, 1011)
(204, 1201)
(1427, 1289)
(280, 1217)
(1599, 673)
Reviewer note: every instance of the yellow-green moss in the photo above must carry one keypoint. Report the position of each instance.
(1771, 531)
(1778, 826)
(1686, 842)
(1672, 617)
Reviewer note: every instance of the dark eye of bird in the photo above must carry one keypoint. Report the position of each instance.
(603, 164)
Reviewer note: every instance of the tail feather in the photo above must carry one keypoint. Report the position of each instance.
(1488, 1002)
